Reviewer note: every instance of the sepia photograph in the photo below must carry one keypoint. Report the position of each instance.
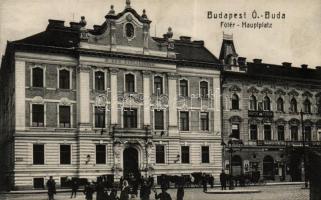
(160, 99)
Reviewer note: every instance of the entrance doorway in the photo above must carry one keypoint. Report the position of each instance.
(236, 165)
(130, 162)
(268, 168)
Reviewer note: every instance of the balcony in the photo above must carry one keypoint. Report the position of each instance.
(264, 114)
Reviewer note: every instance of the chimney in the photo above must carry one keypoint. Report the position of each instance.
(56, 23)
(185, 38)
(241, 61)
(257, 61)
(318, 68)
(304, 66)
(198, 42)
(286, 64)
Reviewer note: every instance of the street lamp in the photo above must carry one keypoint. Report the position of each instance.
(304, 156)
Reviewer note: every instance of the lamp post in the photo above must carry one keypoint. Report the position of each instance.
(304, 156)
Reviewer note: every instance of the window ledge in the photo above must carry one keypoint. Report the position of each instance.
(235, 109)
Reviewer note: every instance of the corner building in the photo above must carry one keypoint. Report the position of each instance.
(112, 100)
(261, 106)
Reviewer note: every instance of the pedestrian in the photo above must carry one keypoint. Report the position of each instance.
(51, 186)
(180, 192)
(151, 181)
(145, 191)
(100, 190)
(74, 187)
(223, 180)
(163, 195)
(89, 191)
(113, 194)
(124, 194)
(204, 183)
(211, 179)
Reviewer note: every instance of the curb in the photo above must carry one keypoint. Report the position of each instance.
(233, 191)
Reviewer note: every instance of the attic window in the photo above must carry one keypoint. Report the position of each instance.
(129, 29)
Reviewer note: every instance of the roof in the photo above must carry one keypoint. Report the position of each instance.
(278, 71)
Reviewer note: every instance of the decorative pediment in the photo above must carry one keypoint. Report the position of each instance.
(235, 119)
(131, 98)
(293, 93)
(307, 94)
(294, 121)
(37, 100)
(280, 121)
(252, 90)
(308, 122)
(65, 101)
(266, 91)
(235, 88)
(279, 92)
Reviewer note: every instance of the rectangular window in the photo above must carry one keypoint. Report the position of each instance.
(160, 154)
(205, 154)
(185, 154)
(37, 77)
(281, 133)
(130, 118)
(307, 132)
(184, 121)
(236, 131)
(294, 133)
(100, 154)
(183, 88)
(267, 132)
(158, 85)
(65, 155)
(99, 117)
(253, 132)
(64, 79)
(38, 183)
(159, 119)
(99, 80)
(64, 116)
(38, 154)
(37, 115)
(204, 121)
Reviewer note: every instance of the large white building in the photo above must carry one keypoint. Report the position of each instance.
(79, 102)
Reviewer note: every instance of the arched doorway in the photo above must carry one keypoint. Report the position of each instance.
(130, 162)
(236, 165)
(268, 168)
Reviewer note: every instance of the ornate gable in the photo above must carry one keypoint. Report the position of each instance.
(266, 91)
(252, 90)
(293, 93)
(279, 92)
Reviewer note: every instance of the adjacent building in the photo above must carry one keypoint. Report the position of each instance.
(112, 100)
(262, 106)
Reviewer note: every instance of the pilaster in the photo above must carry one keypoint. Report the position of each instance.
(146, 85)
(20, 95)
(172, 103)
(83, 97)
(114, 99)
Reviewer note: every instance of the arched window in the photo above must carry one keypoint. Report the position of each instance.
(158, 85)
(293, 105)
(307, 106)
(204, 89)
(129, 30)
(280, 104)
(253, 103)
(130, 83)
(183, 84)
(99, 80)
(235, 102)
(37, 77)
(266, 103)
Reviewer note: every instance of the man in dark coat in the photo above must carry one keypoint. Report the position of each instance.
(211, 180)
(51, 185)
(163, 195)
(223, 180)
(145, 191)
(100, 190)
(74, 188)
(89, 191)
(204, 183)
(180, 192)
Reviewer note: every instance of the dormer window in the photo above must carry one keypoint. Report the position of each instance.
(129, 29)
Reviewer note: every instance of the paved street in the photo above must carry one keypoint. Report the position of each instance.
(284, 192)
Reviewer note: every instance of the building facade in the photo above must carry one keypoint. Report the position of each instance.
(112, 100)
(261, 106)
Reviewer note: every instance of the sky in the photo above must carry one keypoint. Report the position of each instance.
(296, 38)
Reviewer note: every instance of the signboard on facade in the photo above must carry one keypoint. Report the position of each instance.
(265, 114)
